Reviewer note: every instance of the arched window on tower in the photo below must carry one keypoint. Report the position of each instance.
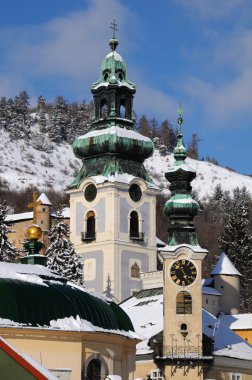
(103, 109)
(184, 303)
(89, 233)
(122, 110)
(135, 233)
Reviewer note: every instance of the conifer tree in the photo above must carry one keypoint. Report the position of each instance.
(8, 252)
(193, 147)
(144, 127)
(236, 242)
(61, 253)
(41, 114)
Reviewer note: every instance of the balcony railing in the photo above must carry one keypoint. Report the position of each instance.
(88, 236)
(136, 236)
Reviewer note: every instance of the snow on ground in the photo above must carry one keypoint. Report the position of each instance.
(23, 166)
(208, 175)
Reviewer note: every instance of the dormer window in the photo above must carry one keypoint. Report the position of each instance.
(106, 76)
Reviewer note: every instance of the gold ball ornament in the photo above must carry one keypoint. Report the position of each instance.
(34, 232)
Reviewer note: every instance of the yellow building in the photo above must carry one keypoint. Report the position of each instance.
(70, 331)
(45, 218)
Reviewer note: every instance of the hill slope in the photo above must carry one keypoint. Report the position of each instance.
(23, 166)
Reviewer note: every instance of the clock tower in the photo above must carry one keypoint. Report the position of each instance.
(182, 338)
(113, 200)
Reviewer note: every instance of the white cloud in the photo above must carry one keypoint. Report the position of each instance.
(211, 9)
(71, 46)
(231, 98)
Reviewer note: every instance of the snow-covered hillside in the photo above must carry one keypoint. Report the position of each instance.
(23, 166)
(208, 175)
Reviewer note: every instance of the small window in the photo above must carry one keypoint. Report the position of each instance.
(43, 209)
(90, 233)
(135, 270)
(236, 376)
(106, 76)
(156, 374)
(134, 225)
(184, 303)
(42, 222)
(120, 77)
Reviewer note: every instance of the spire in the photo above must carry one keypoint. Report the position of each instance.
(112, 147)
(179, 151)
(113, 42)
(181, 207)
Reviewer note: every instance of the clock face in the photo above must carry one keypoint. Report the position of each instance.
(183, 272)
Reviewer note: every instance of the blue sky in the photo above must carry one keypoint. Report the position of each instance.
(198, 52)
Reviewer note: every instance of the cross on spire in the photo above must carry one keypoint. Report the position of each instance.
(34, 205)
(114, 27)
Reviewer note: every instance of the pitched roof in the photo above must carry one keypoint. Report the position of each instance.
(43, 198)
(26, 361)
(224, 266)
(238, 321)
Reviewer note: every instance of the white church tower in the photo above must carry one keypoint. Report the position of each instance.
(113, 200)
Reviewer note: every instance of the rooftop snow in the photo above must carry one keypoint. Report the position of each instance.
(148, 321)
(116, 56)
(224, 266)
(209, 290)
(121, 178)
(120, 132)
(20, 216)
(45, 201)
(237, 321)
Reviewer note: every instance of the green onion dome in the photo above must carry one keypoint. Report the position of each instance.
(113, 69)
(114, 140)
(34, 296)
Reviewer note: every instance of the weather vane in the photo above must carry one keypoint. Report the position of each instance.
(114, 27)
(180, 120)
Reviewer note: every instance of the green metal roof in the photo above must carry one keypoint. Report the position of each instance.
(36, 305)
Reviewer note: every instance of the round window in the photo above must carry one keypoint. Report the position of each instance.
(135, 192)
(90, 192)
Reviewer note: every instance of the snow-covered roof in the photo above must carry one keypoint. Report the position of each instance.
(43, 198)
(238, 321)
(224, 266)
(66, 318)
(207, 281)
(121, 178)
(28, 273)
(25, 360)
(121, 132)
(21, 216)
(160, 242)
(65, 212)
(210, 291)
(172, 248)
(116, 56)
(146, 315)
